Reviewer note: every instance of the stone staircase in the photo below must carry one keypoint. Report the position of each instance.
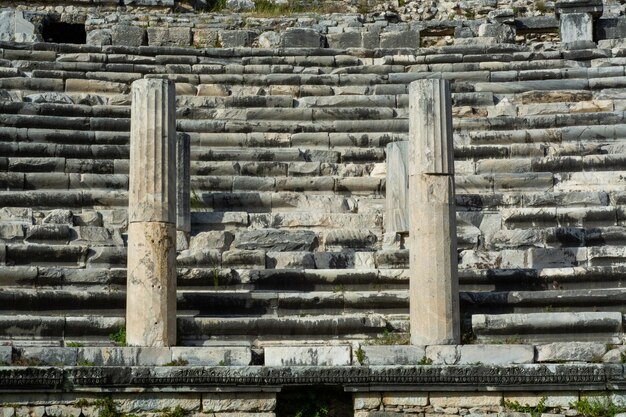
(288, 187)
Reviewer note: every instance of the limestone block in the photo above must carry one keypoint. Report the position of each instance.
(443, 354)
(126, 35)
(153, 356)
(148, 402)
(576, 27)
(11, 232)
(151, 317)
(404, 39)
(552, 399)
(213, 355)
(237, 38)
(467, 400)
(276, 240)
(240, 401)
(205, 38)
(269, 39)
(169, 36)
(345, 40)
(108, 356)
(307, 355)
(211, 240)
(502, 33)
(392, 355)
(100, 37)
(496, 354)
(290, 260)
(59, 216)
(48, 233)
(59, 410)
(248, 259)
(56, 356)
(405, 399)
(7, 412)
(302, 38)
(571, 351)
(334, 260)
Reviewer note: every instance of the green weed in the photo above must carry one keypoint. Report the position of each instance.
(535, 411)
(119, 337)
(597, 407)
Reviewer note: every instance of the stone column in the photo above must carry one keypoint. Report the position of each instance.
(183, 198)
(576, 22)
(434, 287)
(151, 282)
(397, 185)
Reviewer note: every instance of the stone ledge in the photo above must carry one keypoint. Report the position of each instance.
(556, 377)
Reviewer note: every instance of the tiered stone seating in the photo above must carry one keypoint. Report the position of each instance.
(288, 186)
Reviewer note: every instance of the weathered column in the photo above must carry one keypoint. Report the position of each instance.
(151, 282)
(183, 198)
(397, 185)
(576, 21)
(434, 288)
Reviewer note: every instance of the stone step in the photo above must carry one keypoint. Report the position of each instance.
(208, 302)
(569, 122)
(68, 123)
(64, 136)
(193, 330)
(549, 326)
(64, 198)
(197, 329)
(571, 278)
(590, 134)
(573, 198)
(499, 302)
(62, 181)
(60, 109)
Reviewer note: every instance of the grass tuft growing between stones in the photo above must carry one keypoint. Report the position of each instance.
(534, 411)
(597, 407)
(119, 337)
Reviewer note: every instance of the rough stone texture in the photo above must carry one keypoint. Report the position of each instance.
(571, 351)
(237, 38)
(125, 35)
(575, 27)
(367, 400)
(50, 355)
(276, 240)
(302, 38)
(241, 402)
(391, 355)
(158, 36)
(496, 354)
(211, 240)
(307, 355)
(151, 303)
(214, 355)
(467, 400)
(405, 399)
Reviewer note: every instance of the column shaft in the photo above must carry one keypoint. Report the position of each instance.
(433, 292)
(151, 272)
(397, 185)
